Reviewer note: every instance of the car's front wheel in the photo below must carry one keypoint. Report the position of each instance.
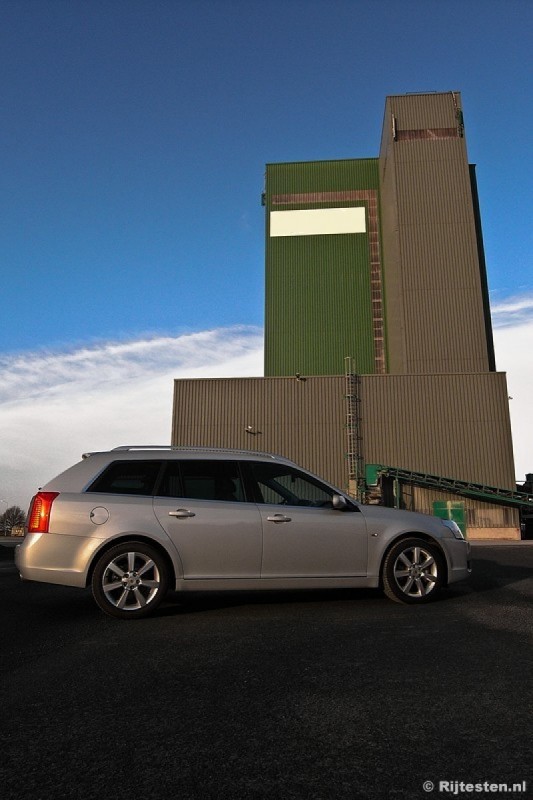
(413, 571)
(130, 580)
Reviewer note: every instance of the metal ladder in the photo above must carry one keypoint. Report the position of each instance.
(354, 439)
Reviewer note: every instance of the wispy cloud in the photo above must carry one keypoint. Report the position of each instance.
(113, 363)
(512, 310)
(512, 319)
(54, 406)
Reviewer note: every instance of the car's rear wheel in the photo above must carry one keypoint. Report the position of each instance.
(413, 571)
(130, 580)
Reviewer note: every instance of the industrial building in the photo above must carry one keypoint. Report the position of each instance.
(379, 361)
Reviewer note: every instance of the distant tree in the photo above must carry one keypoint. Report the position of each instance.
(12, 517)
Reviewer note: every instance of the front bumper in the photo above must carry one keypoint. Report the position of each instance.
(459, 563)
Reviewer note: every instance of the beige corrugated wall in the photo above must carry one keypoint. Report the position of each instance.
(456, 426)
(433, 294)
(303, 420)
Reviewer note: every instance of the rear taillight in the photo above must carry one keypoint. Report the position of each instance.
(39, 513)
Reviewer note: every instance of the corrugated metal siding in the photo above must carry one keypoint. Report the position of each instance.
(318, 304)
(435, 183)
(456, 426)
(478, 514)
(392, 275)
(318, 288)
(321, 176)
(303, 420)
(429, 110)
(434, 295)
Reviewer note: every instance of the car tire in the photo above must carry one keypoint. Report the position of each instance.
(413, 571)
(130, 580)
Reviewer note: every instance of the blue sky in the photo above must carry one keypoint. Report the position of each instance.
(132, 149)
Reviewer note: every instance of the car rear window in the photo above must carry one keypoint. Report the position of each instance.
(127, 477)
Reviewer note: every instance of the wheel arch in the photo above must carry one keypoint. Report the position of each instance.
(416, 535)
(133, 537)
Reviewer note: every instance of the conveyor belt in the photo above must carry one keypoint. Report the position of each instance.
(478, 491)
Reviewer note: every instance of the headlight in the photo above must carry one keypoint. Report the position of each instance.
(454, 527)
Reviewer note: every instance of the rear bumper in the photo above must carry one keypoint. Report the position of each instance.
(55, 558)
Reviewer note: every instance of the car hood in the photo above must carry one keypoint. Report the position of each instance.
(410, 520)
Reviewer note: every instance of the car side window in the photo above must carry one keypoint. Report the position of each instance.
(127, 477)
(203, 480)
(170, 485)
(284, 485)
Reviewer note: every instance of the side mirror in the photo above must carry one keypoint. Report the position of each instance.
(339, 502)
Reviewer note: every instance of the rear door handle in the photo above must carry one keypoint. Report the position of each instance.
(181, 513)
(278, 518)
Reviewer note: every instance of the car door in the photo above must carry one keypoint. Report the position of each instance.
(202, 506)
(303, 535)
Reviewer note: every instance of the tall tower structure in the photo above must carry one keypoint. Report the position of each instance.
(380, 259)
(436, 306)
(378, 339)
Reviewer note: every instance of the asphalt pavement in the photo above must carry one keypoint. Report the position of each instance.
(333, 694)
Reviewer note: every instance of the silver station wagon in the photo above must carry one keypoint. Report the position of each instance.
(136, 521)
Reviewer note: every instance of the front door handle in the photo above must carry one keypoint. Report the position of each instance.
(278, 518)
(181, 513)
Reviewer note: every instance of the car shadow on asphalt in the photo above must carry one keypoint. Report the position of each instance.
(178, 603)
(488, 574)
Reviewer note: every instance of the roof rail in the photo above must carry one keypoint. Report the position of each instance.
(187, 449)
(125, 447)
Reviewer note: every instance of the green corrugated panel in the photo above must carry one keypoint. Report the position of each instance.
(322, 176)
(318, 292)
(318, 306)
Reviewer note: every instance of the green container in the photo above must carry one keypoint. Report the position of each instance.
(372, 473)
(451, 509)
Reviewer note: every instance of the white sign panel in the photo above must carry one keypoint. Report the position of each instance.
(317, 221)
